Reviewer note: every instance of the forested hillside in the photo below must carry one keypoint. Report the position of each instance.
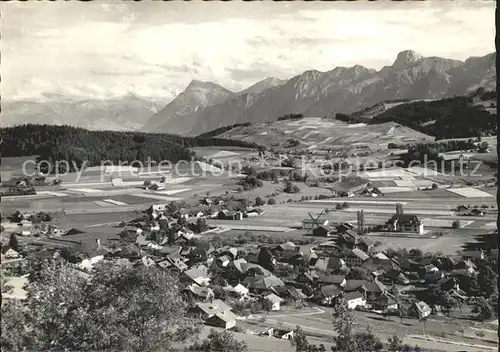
(53, 143)
(445, 118)
(457, 117)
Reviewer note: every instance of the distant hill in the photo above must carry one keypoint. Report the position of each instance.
(348, 89)
(76, 145)
(397, 121)
(316, 134)
(465, 116)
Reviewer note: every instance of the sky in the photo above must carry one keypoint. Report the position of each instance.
(104, 50)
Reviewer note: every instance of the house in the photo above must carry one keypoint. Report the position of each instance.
(199, 215)
(88, 263)
(253, 213)
(241, 290)
(321, 231)
(402, 279)
(198, 276)
(327, 245)
(184, 236)
(273, 301)
(385, 303)
(208, 309)
(419, 310)
(262, 283)
(355, 285)
(231, 252)
(448, 283)
(158, 208)
(405, 223)
(327, 294)
(11, 254)
(375, 290)
(278, 333)
(236, 270)
(307, 253)
(311, 224)
(203, 293)
(327, 264)
(177, 263)
(350, 240)
(286, 246)
(227, 215)
(293, 293)
(356, 257)
(255, 270)
(147, 262)
(380, 261)
(477, 212)
(17, 283)
(206, 201)
(141, 241)
(355, 299)
(25, 232)
(338, 280)
(344, 227)
(225, 319)
(473, 255)
(154, 227)
(307, 277)
(26, 223)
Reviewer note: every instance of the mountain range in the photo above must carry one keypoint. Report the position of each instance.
(120, 114)
(204, 106)
(343, 89)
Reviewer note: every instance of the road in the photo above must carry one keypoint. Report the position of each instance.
(414, 332)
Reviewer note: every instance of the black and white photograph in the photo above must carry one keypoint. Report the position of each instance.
(249, 176)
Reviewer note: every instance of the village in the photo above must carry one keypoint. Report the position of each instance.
(241, 285)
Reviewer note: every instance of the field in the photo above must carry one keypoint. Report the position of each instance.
(317, 133)
(470, 192)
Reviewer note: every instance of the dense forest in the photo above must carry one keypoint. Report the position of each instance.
(290, 117)
(76, 145)
(221, 130)
(456, 117)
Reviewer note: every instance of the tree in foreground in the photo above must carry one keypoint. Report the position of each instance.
(222, 341)
(483, 309)
(299, 341)
(121, 308)
(394, 343)
(346, 340)
(14, 334)
(487, 280)
(13, 243)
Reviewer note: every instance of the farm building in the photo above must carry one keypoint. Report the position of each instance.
(229, 215)
(356, 257)
(225, 319)
(274, 301)
(312, 224)
(355, 299)
(321, 231)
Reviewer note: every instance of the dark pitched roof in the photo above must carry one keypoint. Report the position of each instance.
(353, 295)
(353, 285)
(375, 286)
(330, 290)
(331, 279)
(406, 219)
